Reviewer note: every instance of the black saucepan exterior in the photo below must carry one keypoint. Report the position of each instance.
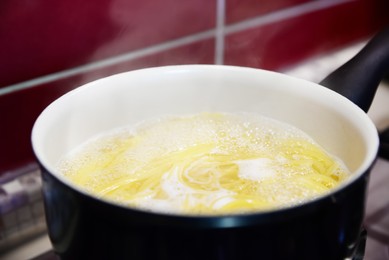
(82, 227)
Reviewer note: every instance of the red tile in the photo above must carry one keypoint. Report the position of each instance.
(41, 37)
(237, 10)
(21, 108)
(19, 111)
(283, 43)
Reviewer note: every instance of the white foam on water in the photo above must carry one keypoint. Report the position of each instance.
(256, 169)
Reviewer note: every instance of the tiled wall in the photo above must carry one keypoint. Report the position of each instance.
(50, 47)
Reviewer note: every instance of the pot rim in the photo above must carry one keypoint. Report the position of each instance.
(369, 127)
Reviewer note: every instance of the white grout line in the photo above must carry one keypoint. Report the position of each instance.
(283, 15)
(110, 61)
(220, 24)
(219, 32)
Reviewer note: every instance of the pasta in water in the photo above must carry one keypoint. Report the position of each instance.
(208, 163)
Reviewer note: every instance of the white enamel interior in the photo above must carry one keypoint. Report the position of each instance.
(332, 120)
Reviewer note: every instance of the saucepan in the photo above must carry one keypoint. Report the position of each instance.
(83, 226)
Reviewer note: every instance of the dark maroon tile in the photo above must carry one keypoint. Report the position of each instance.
(237, 10)
(42, 37)
(280, 44)
(20, 109)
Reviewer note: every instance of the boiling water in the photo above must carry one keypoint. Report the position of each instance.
(208, 163)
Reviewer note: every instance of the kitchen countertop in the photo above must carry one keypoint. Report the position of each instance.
(377, 211)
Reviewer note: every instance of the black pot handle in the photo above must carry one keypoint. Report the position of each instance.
(358, 79)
